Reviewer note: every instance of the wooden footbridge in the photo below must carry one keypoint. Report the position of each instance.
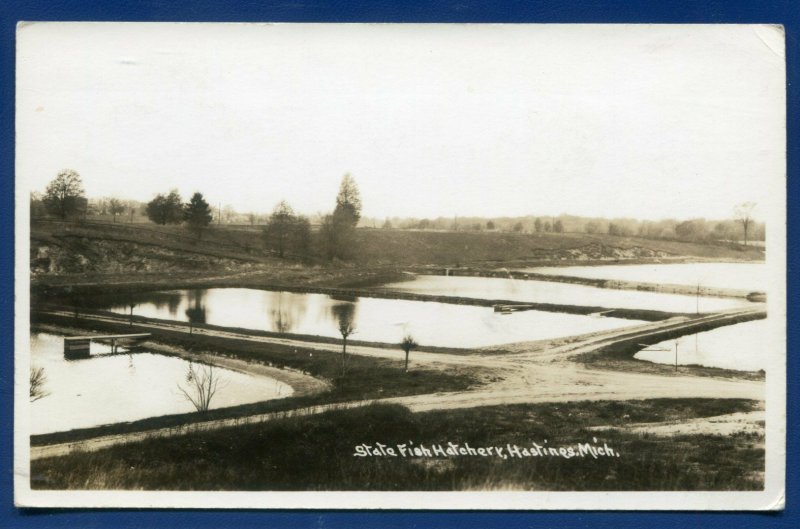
(78, 346)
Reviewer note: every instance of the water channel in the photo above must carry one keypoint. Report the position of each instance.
(375, 319)
(739, 276)
(107, 389)
(743, 347)
(561, 293)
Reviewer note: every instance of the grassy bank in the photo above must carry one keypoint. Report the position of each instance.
(108, 248)
(460, 248)
(365, 378)
(316, 453)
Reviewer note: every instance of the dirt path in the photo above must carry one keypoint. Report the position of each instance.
(749, 422)
(536, 374)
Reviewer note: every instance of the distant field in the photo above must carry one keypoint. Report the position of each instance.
(452, 248)
(107, 247)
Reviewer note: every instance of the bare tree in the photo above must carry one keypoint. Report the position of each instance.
(287, 232)
(407, 345)
(228, 214)
(203, 385)
(115, 207)
(345, 314)
(743, 213)
(38, 378)
(64, 196)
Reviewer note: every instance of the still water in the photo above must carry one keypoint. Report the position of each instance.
(119, 388)
(376, 320)
(560, 294)
(740, 276)
(742, 347)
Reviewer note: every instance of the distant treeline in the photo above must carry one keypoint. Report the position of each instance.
(698, 230)
(65, 198)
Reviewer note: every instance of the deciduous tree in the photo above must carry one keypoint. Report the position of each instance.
(166, 209)
(408, 344)
(345, 316)
(115, 207)
(744, 214)
(203, 385)
(286, 232)
(64, 196)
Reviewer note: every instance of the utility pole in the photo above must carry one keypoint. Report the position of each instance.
(219, 213)
(698, 299)
(698, 312)
(676, 355)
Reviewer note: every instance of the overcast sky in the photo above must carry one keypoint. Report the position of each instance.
(639, 121)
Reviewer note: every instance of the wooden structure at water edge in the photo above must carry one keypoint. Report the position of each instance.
(508, 309)
(76, 347)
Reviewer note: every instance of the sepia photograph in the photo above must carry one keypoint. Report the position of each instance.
(400, 266)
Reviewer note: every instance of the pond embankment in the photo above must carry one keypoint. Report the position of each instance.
(617, 284)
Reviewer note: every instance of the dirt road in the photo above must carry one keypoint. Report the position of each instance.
(530, 373)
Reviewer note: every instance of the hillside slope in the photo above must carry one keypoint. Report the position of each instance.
(66, 248)
(458, 248)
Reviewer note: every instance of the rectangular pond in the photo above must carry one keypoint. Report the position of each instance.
(532, 291)
(739, 276)
(376, 320)
(127, 387)
(742, 347)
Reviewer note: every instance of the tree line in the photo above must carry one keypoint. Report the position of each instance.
(289, 234)
(740, 226)
(285, 232)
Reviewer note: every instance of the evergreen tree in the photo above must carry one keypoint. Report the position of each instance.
(338, 230)
(197, 214)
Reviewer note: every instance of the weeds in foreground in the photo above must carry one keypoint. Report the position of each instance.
(202, 385)
(317, 453)
(37, 382)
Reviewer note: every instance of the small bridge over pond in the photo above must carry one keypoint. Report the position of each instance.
(78, 346)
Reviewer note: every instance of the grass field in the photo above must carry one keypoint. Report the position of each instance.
(108, 247)
(317, 453)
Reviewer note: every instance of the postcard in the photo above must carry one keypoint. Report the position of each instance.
(400, 266)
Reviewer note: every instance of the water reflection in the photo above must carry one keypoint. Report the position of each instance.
(344, 314)
(169, 300)
(561, 294)
(376, 320)
(114, 388)
(741, 347)
(196, 313)
(284, 311)
(740, 276)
